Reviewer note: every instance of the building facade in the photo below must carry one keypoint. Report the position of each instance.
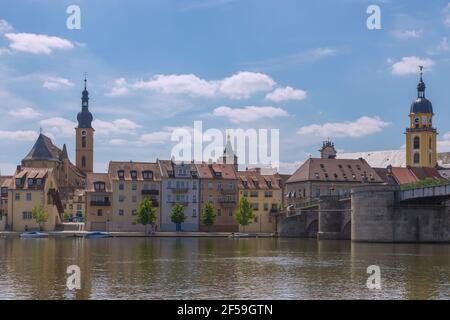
(30, 188)
(218, 185)
(264, 194)
(131, 182)
(98, 202)
(179, 185)
(421, 137)
(5, 182)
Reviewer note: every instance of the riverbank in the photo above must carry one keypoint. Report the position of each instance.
(81, 234)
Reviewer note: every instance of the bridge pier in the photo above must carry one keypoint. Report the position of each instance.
(333, 217)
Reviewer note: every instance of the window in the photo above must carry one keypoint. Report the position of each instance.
(17, 196)
(79, 207)
(194, 184)
(219, 212)
(255, 206)
(147, 175)
(230, 213)
(219, 186)
(133, 186)
(416, 158)
(231, 186)
(30, 182)
(133, 175)
(194, 198)
(210, 185)
(169, 198)
(83, 161)
(83, 141)
(39, 182)
(194, 213)
(121, 174)
(429, 158)
(256, 219)
(245, 193)
(18, 182)
(120, 212)
(99, 212)
(245, 183)
(121, 186)
(133, 212)
(268, 194)
(254, 194)
(318, 192)
(27, 215)
(266, 206)
(430, 143)
(134, 198)
(4, 190)
(28, 196)
(121, 198)
(416, 143)
(269, 184)
(99, 186)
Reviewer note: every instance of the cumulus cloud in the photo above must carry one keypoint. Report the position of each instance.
(361, 127)
(150, 138)
(287, 93)
(238, 86)
(37, 43)
(322, 52)
(408, 34)
(5, 26)
(444, 144)
(19, 135)
(24, 113)
(116, 126)
(55, 83)
(58, 126)
(249, 113)
(410, 65)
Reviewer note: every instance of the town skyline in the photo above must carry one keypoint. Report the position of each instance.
(299, 87)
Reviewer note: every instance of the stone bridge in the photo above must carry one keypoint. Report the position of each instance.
(375, 213)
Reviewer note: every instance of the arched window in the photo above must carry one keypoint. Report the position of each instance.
(83, 141)
(416, 158)
(429, 158)
(83, 162)
(430, 143)
(416, 143)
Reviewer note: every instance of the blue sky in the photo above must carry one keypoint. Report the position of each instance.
(310, 68)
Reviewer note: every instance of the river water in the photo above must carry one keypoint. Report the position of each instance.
(220, 268)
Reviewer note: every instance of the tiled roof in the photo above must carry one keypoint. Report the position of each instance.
(388, 178)
(169, 165)
(30, 173)
(5, 181)
(139, 167)
(342, 170)
(44, 149)
(404, 175)
(216, 171)
(92, 178)
(254, 180)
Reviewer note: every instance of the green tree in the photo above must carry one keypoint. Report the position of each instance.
(177, 215)
(145, 213)
(40, 214)
(244, 213)
(208, 216)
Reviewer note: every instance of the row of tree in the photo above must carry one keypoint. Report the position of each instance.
(146, 214)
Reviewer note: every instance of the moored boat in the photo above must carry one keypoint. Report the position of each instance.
(34, 234)
(97, 234)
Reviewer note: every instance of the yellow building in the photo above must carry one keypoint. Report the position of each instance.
(264, 195)
(76, 204)
(421, 149)
(98, 201)
(30, 188)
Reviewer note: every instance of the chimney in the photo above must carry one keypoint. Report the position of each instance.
(19, 168)
(258, 170)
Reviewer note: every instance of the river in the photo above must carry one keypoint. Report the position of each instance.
(220, 268)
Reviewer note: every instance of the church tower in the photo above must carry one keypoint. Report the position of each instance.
(229, 157)
(85, 135)
(328, 151)
(421, 150)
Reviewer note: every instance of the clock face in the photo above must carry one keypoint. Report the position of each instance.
(83, 133)
(84, 104)
(416, 120)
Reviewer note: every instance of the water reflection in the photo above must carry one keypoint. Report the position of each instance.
(206, 268)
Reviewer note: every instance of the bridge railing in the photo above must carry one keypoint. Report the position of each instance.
(438, 191)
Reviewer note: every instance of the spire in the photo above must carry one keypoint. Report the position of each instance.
(85, 117)
(421, 86)
(228, 151)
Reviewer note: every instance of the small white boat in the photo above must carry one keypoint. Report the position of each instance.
(34, 234)
(97, 234)
(240, 235)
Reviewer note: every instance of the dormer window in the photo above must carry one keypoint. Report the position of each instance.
(245, 183)
(269, 184)
(30, 182)
(147, 175)
(39, 182)
(99, 186)
(218, 174)
(18, 182)
(133, 174)
(121, 174)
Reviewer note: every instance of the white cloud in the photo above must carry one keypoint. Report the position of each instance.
(156, 137)
(361, 127)
(408, 34)
(410, 65)
(287, 93)
(5, 26)
(116, 126)
(322, 52)
(19, 135)
(238, 86)
(58, 126)
(244, 84)
(444, 144)
(54, 83)
(24, 113)
(37, 43)
(249, 113)
(188, 84)
(447, 15)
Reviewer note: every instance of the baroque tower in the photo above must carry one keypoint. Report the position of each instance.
(85, 135)
(328, 151)
(421, 150)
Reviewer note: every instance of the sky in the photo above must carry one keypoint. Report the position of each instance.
(311, 69)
